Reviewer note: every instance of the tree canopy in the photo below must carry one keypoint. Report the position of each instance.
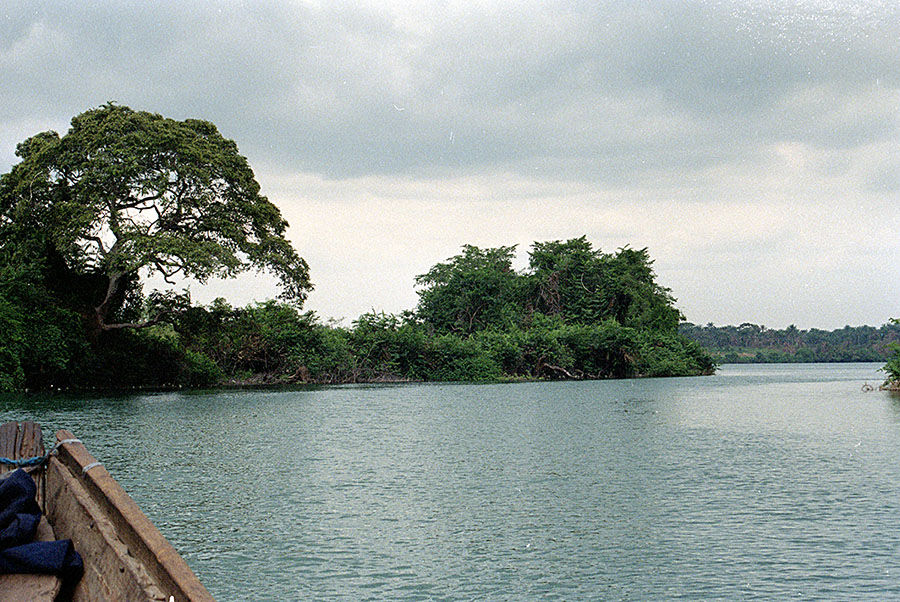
(752, 343)
(124, 194)
(471, 291)
(570, 280)
(584, 285)
(128, 193)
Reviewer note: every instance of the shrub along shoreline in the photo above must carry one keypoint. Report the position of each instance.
(272, 344)
(575, 313)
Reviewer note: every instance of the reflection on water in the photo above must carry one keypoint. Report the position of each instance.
(769, 481)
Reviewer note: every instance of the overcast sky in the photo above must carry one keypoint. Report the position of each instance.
(754, 148)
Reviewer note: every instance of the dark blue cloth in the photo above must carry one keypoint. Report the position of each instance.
(19, 512)
(19, 518)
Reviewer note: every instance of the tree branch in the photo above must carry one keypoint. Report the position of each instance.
(562, 370)
(168, 273)
(96, 239)
(133, 325)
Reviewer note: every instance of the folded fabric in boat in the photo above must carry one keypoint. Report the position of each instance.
(19, 518)
(19, 512)
(47, 557)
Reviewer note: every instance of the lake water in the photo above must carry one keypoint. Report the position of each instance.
(764, 481)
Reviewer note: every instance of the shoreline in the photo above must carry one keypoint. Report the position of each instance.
(271, 383)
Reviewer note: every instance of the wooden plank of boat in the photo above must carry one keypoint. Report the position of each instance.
(18, 441)
(125, 556)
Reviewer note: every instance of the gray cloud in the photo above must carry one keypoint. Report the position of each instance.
(737, 140)
(610, 93)
(885, 178)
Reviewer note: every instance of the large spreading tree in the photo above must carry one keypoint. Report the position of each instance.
(125, 194)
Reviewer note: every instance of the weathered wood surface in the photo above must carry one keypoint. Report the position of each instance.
(20, 440)
(125, 555)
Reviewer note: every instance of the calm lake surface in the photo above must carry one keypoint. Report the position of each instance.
(765, 481)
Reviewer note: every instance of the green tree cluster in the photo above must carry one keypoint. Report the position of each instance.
(244, 346)
(84, 216)
(892, 367)
(574, 313)
(87, 216)
(751, 343)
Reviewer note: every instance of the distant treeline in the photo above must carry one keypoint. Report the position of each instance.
(750, 343)
(574, 313)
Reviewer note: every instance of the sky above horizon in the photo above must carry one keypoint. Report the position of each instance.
(752, 147)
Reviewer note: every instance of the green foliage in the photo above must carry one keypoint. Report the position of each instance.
(126, 192)
(40, 342)
(750, 343)
(386, 348)
(333, 360)
(12, 341)
(471, 291)
(603, 350)
(12, 334)
(198, 370)
(478, 289)
(892, 367)
(267, 338)
(123, 194)
(454, 358)
(663, 354)
(568, 280)
(583, 285)
(151, 358)
(575, 313)
(543, 354)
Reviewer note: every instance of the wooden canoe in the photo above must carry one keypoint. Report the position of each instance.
(125, 556)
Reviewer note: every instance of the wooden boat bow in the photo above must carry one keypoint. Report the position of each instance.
(125, 556)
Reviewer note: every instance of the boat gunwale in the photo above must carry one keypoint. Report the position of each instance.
(144, 540)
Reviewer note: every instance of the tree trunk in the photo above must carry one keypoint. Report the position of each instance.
(92, 326)
(112, 290)
(96, 317)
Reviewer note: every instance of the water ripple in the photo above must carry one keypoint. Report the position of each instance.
(757, 483)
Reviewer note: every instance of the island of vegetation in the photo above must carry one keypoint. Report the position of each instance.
(125, 194)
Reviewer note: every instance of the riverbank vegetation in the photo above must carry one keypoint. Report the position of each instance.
(751, 343)
(86, 216)
(892, 367)
(476, 320)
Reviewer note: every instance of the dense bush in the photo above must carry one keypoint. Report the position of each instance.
(892, 367)
(662, 354)
(41, 342)
(123, 194)
(271, 343)
(456, 358)
(575, 313)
